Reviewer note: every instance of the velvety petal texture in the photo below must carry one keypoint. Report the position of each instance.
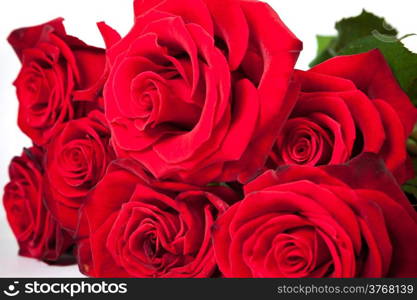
(195, 88)
(347, 220)
(76, 159)
(135, 226)
(190, 147)
(37, 233)
(60, 79)
(343, 110)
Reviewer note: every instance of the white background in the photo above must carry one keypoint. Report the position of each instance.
(305, 18)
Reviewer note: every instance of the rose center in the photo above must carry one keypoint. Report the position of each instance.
(303, 142)
(75, 162)
(301, 252)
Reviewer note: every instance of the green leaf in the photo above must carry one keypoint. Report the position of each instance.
(364, 33)
(211, 184)
(410, 187)
(402, 61)
(351, 29)
(365, 24)
(325, 45)
(323, 42)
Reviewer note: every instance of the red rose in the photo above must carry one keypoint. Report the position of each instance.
(196, 87)
(345, 109)
(60, 78)
(76, 160)
(334, 221)
(36, 231)
(138, 227)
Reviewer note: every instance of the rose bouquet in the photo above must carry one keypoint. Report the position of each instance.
(191, 147)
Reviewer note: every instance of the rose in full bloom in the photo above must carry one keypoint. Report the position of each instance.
(134, 226)
(61, 78)
(196, 88)
(76, 159)
(348, 105)
(332, 221)
(36, 231)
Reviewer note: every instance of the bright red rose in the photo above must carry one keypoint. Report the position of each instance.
(61, 78)
(36, 231)
(134, 226)
(345, 109)
(196, 88)
(333, 221)
(76, 159)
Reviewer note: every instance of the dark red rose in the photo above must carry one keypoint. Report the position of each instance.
(196, 88)
(345, 109)
(76, 159)
(60, 79)
(134, 226)
(333, 221)
(37, 233)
